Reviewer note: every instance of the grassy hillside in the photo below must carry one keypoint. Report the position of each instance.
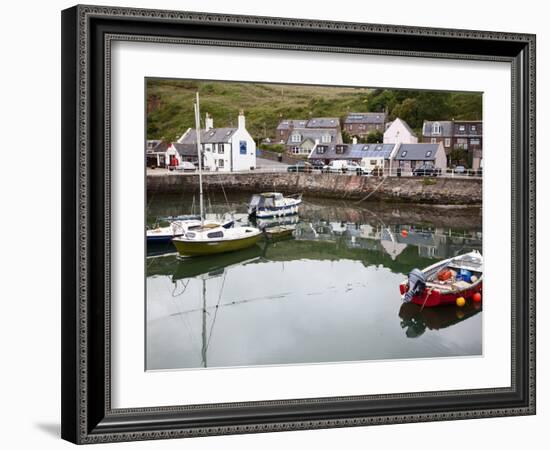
(170, 105)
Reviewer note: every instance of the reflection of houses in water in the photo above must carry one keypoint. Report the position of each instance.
(431, 242)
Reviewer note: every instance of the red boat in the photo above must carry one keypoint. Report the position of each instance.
(444, 282)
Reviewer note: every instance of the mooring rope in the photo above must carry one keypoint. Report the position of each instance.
(372, 192)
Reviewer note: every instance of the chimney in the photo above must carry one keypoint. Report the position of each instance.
(208, 122)
(354, 140)
(242, 121)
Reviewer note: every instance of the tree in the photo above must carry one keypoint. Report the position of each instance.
(375, 137)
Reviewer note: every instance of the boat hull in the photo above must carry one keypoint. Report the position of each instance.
(432, 297)
(200, 248)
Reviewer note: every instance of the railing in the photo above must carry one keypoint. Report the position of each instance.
(394, 172)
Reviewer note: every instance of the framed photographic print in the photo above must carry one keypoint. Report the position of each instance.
(279, 224)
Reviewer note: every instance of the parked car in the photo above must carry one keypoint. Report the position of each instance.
(317, 164)
(459, 169)
(186, 166)
(426, 170)
(300, 166)
(343, 166)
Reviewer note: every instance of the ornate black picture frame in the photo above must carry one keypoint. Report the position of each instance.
(87, 34)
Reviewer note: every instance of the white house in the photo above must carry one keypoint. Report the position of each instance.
(399, 132)
(224, 149)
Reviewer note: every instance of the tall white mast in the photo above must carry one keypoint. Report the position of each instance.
(199, 153)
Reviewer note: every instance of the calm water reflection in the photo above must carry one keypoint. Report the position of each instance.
(329, 294)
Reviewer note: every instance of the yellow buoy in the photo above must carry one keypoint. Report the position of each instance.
(460, 301)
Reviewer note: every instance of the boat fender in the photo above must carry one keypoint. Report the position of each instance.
(417, 284)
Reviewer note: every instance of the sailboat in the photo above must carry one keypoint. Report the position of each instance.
(211, 238)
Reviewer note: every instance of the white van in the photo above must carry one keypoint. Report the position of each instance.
(342, 166)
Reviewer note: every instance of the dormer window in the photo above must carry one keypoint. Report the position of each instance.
(436, 128)
(325, 138)
(340, 149)
(321, 149)
(296, 138)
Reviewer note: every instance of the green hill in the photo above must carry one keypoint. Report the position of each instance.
(170, 105)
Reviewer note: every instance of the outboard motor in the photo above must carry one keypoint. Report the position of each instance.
(417, 284)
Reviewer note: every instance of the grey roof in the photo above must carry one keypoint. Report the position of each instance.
(370, 117)
(446, 128)
(186, 149)
(354, 151)
(286, 124)
(323, 122)
(417, 152)
(313, 134)
(213, 135)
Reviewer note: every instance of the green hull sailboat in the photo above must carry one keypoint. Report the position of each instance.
(211, 238)
(221, 240)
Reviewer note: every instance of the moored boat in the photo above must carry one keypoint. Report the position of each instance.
(273, 204)
(177, 228)
(212, 238)
(279, 231)
(444, 282)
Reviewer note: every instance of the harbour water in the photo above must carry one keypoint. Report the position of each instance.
(328, 294)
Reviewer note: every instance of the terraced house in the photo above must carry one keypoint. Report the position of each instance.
(361, 124)
(466, 135)
(300, 135)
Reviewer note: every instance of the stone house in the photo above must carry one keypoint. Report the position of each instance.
(286, 126)
(361, 124)
(464, 135)
(302, 140)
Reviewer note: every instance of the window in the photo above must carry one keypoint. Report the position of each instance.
(447, 142)
(373, 162)
(221, 148)
(296, 138)
(361, 127)
(461, 128)
(378, 147)
(436, 128)
(340, 149)
(403, 153)
(321, 149)
(462, 143)
(220, 163)
(295, 149)
(215, 234)
(325, 138)
(474, 141)
(434, 141)
(242, 147)
(473, 128)
(366, 148)
(428, 153)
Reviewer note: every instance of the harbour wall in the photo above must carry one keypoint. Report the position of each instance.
(439, 190)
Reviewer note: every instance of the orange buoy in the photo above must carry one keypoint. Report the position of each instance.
(404, 233)
(477, 297)
(460, 301)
